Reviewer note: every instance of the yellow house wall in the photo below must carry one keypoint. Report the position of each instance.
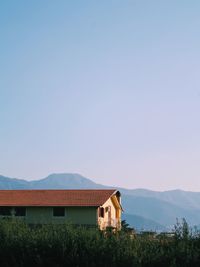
(104, 222)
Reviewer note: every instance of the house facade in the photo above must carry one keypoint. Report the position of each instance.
(101, 208)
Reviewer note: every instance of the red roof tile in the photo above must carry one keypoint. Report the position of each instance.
(85, 198)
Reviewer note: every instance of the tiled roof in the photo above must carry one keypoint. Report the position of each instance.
(86, 198)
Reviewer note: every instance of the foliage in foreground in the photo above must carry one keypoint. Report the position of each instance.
(65, 245)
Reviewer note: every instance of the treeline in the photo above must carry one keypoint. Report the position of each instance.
(66, 245)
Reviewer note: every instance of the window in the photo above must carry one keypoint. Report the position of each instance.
(5, 211)
(14, 211)
(59, 211)
(101, 212)
(20, 211)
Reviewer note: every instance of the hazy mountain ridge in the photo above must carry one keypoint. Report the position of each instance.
(178, 197)
(13, 183)
(142, 224)
(162, 212)
(144, 209)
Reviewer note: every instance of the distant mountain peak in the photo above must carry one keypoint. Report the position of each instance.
(66, 176)
(64, 181)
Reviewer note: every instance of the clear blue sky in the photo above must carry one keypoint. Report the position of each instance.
(107, 89)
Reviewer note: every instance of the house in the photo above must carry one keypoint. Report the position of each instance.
(100, 208)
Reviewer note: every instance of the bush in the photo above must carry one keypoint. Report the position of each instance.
(67, 245)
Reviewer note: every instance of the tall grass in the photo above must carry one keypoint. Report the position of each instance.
(66, 245)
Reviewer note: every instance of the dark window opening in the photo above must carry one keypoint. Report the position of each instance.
(101, 212)
(59, 212)
(20, 211)
(5, 211)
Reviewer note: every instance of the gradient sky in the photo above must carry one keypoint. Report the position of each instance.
(107, 89)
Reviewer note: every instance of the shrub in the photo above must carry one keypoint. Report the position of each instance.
(67, 245)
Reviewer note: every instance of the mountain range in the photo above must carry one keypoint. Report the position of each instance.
(143, 209)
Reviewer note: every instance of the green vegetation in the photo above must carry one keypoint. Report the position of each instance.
(66, 245)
